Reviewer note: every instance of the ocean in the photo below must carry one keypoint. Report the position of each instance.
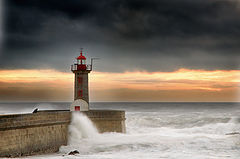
(154, 131)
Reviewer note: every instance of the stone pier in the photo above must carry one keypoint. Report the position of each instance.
(46, 131)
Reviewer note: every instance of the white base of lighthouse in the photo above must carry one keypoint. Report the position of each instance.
(79, 105)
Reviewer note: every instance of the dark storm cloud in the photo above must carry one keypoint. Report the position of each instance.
(130, 35)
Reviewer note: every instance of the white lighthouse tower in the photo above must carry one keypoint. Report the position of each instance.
(81, 71)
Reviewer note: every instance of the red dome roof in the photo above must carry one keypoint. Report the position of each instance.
(81, 57)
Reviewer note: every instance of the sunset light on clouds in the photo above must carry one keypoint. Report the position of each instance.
(148, 50)
(180, 85)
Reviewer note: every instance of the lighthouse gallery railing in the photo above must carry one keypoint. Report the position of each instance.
(74, 67)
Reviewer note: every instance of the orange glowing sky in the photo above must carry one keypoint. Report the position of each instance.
(180, 85)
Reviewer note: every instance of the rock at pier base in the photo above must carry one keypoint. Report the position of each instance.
(73, 152)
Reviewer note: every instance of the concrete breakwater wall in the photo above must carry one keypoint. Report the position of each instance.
(46, 131)
(108, 120)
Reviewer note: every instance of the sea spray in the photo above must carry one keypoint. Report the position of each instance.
(80, 130)
(80, 127)
(167, 132)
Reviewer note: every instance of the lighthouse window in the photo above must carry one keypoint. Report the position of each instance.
(83, 62)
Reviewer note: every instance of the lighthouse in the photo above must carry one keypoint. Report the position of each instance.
(81, 71)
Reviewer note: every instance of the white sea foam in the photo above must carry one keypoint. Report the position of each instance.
(145, 140)
(81, 127)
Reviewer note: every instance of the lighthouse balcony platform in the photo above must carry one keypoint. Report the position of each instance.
(75, 67)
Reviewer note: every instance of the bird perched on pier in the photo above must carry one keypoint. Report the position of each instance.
(35, 110)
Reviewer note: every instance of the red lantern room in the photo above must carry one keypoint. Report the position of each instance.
(81, 62)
